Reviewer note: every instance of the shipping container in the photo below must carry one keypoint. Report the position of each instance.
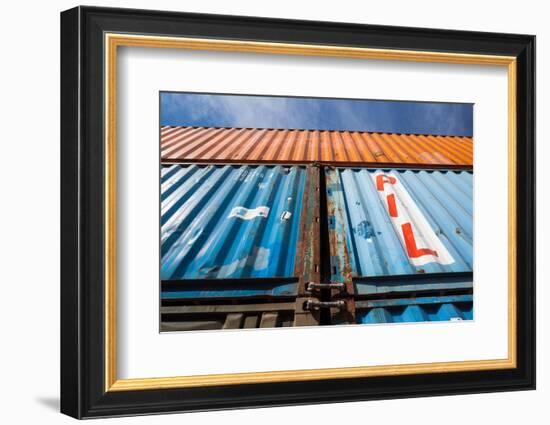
(397, 230)
(241, 245)
(288, 146)
(229, 222)
(399, 222)
(421, 309)
(238, 245)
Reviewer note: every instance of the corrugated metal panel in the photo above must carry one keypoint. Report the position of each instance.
(402, 222)
(306, 146)
(230, 222)
(418, 283)
(235, 288)
(425, 309)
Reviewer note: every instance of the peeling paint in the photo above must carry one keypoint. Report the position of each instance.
(286, 215)
(224, 227)
(249, 214)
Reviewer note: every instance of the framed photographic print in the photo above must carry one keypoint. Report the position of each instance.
(261, 212)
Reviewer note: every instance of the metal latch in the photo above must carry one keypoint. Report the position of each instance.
(313, 286)
(317, 305)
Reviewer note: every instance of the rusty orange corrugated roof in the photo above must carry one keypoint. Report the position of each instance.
(254, 145)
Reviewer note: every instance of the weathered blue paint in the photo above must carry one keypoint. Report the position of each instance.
(409, 283)
(444, 198)
(228, 221)
(424, 309)
(214, 288)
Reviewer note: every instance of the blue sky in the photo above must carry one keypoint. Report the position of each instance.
(216, 110)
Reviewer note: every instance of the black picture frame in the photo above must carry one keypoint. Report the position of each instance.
(83, 392)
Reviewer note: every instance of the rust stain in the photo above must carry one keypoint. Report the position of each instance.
(307, 252)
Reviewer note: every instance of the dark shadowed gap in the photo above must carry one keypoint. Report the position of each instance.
(325, 318)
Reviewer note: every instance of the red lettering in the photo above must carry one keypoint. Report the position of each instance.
(383, 178)
(392, 206)
(410, 243)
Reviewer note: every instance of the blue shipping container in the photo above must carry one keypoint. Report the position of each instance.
(402, 222)
(230, 222)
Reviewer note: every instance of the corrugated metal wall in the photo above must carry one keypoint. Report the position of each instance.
(307, 146)
(232, 288)
(423, 309)
(435, 205)
(227, 222)
(400, 238)
(419, 283)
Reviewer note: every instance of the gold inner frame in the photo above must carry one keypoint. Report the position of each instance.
(113, 41)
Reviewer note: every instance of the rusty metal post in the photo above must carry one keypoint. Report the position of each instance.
(308, 249)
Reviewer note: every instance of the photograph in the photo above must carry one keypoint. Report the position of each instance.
(280, 211)
(262, 211)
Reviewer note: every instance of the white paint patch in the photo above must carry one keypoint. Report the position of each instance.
(286, 215)
(258, 260)
(262, 258)
(249, 214)
(420, 242)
